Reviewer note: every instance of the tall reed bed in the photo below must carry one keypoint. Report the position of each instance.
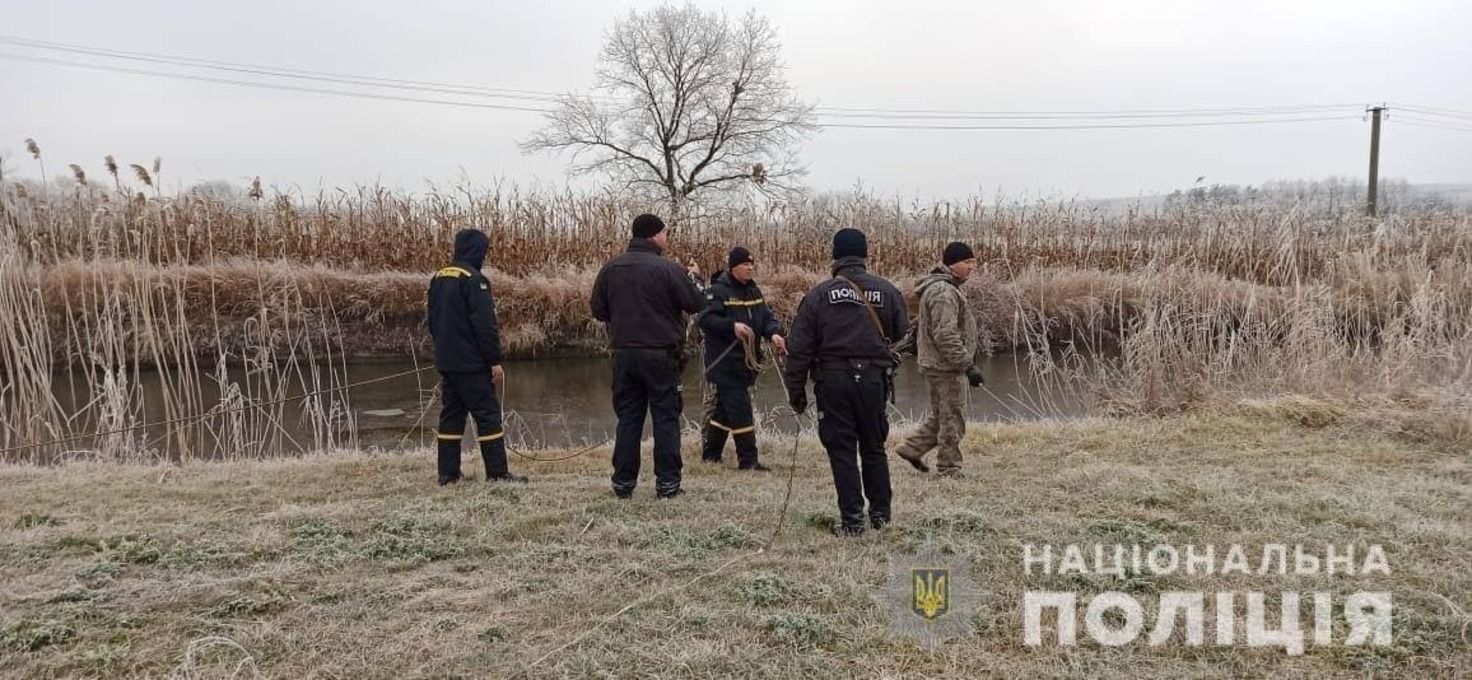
(1199, 300)
(77, 348)
(534, 231)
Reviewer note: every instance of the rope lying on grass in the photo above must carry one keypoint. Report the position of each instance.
(762, 549)
(750, 360)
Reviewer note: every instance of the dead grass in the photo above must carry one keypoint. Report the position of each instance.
(354, 565)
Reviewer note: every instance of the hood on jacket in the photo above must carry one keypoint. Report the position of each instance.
(471, 246)
(938, 275)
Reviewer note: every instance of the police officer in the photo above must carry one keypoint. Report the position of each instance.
(841, 336)
(467, 353)
(735, 319)
(642, 296)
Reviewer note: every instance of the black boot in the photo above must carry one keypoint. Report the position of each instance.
(746, 453)
(449, 462)
(493, 456)
(713, 443)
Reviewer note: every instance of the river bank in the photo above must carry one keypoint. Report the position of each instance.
(355, 565)
(238, 308)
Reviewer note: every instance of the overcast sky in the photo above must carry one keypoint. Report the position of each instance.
(1038, 55)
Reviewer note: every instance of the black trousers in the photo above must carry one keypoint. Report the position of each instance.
(732, 416)
(646, 381)
(470, 394)
(852, 425)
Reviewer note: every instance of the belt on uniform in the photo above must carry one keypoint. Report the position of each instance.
(673, 353)
(846, 365)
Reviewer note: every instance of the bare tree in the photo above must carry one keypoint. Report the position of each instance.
(685, 101)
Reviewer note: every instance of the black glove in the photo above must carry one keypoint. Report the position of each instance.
(798, 403)
(973, 376)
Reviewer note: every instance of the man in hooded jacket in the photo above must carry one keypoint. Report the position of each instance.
(467, 354)
(946, 348)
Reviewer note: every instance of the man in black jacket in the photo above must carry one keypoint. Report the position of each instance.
(642, 296)
(735, 315)
(841, 336)
(467, 353)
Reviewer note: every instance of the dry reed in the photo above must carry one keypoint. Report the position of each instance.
(1199, 300)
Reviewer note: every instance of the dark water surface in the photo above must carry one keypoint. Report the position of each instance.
(562, 402)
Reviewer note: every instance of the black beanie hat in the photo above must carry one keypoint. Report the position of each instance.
(738, 256)
(646, 226)
(956, 251)
(850, 242)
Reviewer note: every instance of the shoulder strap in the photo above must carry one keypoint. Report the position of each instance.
(873, 315)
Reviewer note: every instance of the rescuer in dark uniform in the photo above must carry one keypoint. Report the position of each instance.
(642, 296)
(467, 353)
(841, 336)
(735, 313)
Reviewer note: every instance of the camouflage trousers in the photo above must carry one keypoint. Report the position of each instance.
(944, 425)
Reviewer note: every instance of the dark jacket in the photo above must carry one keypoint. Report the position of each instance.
(642, 296)
(729, 302)
(462, 313)
(832, 324)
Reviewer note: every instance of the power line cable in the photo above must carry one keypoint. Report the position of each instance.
(274, 86)
(1436, 110)
(1089, 126)
(286, 72)
(1428, 123)
(1458, 117)
(1065, 115)
(553, 97)
(504, 107)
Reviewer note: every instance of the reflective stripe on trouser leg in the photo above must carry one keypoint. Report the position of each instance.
(451, 428)
(713, 440)
(447, 457)
(477, 393)
(733, 402)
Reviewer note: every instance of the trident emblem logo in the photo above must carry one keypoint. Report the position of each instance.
(930, 596)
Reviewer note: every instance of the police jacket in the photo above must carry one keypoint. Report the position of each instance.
(832, 325)
(642, 296)
(729, 302)
(462, 319)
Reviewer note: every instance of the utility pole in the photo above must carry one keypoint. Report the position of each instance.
(1374, 194)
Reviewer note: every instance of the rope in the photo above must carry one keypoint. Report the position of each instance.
(792, 462)
(776, 530)
(212, 413)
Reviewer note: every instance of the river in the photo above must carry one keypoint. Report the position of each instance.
(566, 402)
